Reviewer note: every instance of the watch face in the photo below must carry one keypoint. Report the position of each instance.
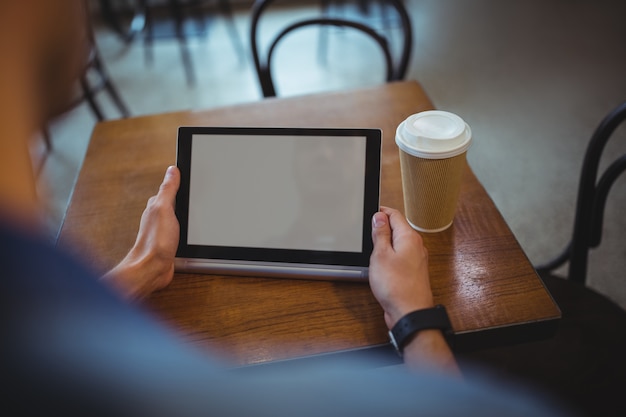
(428, 318)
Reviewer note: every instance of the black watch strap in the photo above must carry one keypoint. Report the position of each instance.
(429, 318)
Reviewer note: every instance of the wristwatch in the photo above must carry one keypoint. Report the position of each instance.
(429, 318)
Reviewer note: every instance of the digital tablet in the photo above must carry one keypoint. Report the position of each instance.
(277, 202)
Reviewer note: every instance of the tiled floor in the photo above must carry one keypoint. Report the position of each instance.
(533, 78)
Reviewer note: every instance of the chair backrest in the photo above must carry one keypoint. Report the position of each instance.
(592, 194)
(262, 61)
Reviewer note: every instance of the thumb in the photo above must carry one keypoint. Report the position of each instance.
(170, 184)
(381, 231)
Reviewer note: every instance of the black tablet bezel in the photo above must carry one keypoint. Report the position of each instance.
(289, 256)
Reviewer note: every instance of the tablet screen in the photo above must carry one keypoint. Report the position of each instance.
(282, 192)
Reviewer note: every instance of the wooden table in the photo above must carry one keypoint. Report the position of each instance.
(477, 267)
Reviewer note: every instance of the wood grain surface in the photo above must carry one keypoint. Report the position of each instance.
(477, 267)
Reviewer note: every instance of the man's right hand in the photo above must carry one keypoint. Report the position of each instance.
(398, 266)
(399, 279)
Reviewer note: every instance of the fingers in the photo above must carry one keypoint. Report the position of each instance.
(396, 219)
(401, 231)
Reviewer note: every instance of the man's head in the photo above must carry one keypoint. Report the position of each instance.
(51, 39)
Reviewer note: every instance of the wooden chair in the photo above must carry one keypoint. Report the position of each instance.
(583, 364)
(395, 69)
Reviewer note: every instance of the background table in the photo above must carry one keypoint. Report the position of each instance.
(477, 267)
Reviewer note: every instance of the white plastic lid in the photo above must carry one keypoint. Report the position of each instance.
(434, 134)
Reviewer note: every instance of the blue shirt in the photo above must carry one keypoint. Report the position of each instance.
(71, 347)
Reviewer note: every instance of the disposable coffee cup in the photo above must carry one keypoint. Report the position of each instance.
(433, 145)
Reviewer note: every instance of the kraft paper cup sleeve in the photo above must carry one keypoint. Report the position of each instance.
(431, 190)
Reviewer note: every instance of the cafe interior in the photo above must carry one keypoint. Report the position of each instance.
(533, 79)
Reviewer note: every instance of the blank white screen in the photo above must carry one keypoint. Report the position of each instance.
(279, 192)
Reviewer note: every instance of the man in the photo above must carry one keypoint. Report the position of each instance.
(76, 345)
